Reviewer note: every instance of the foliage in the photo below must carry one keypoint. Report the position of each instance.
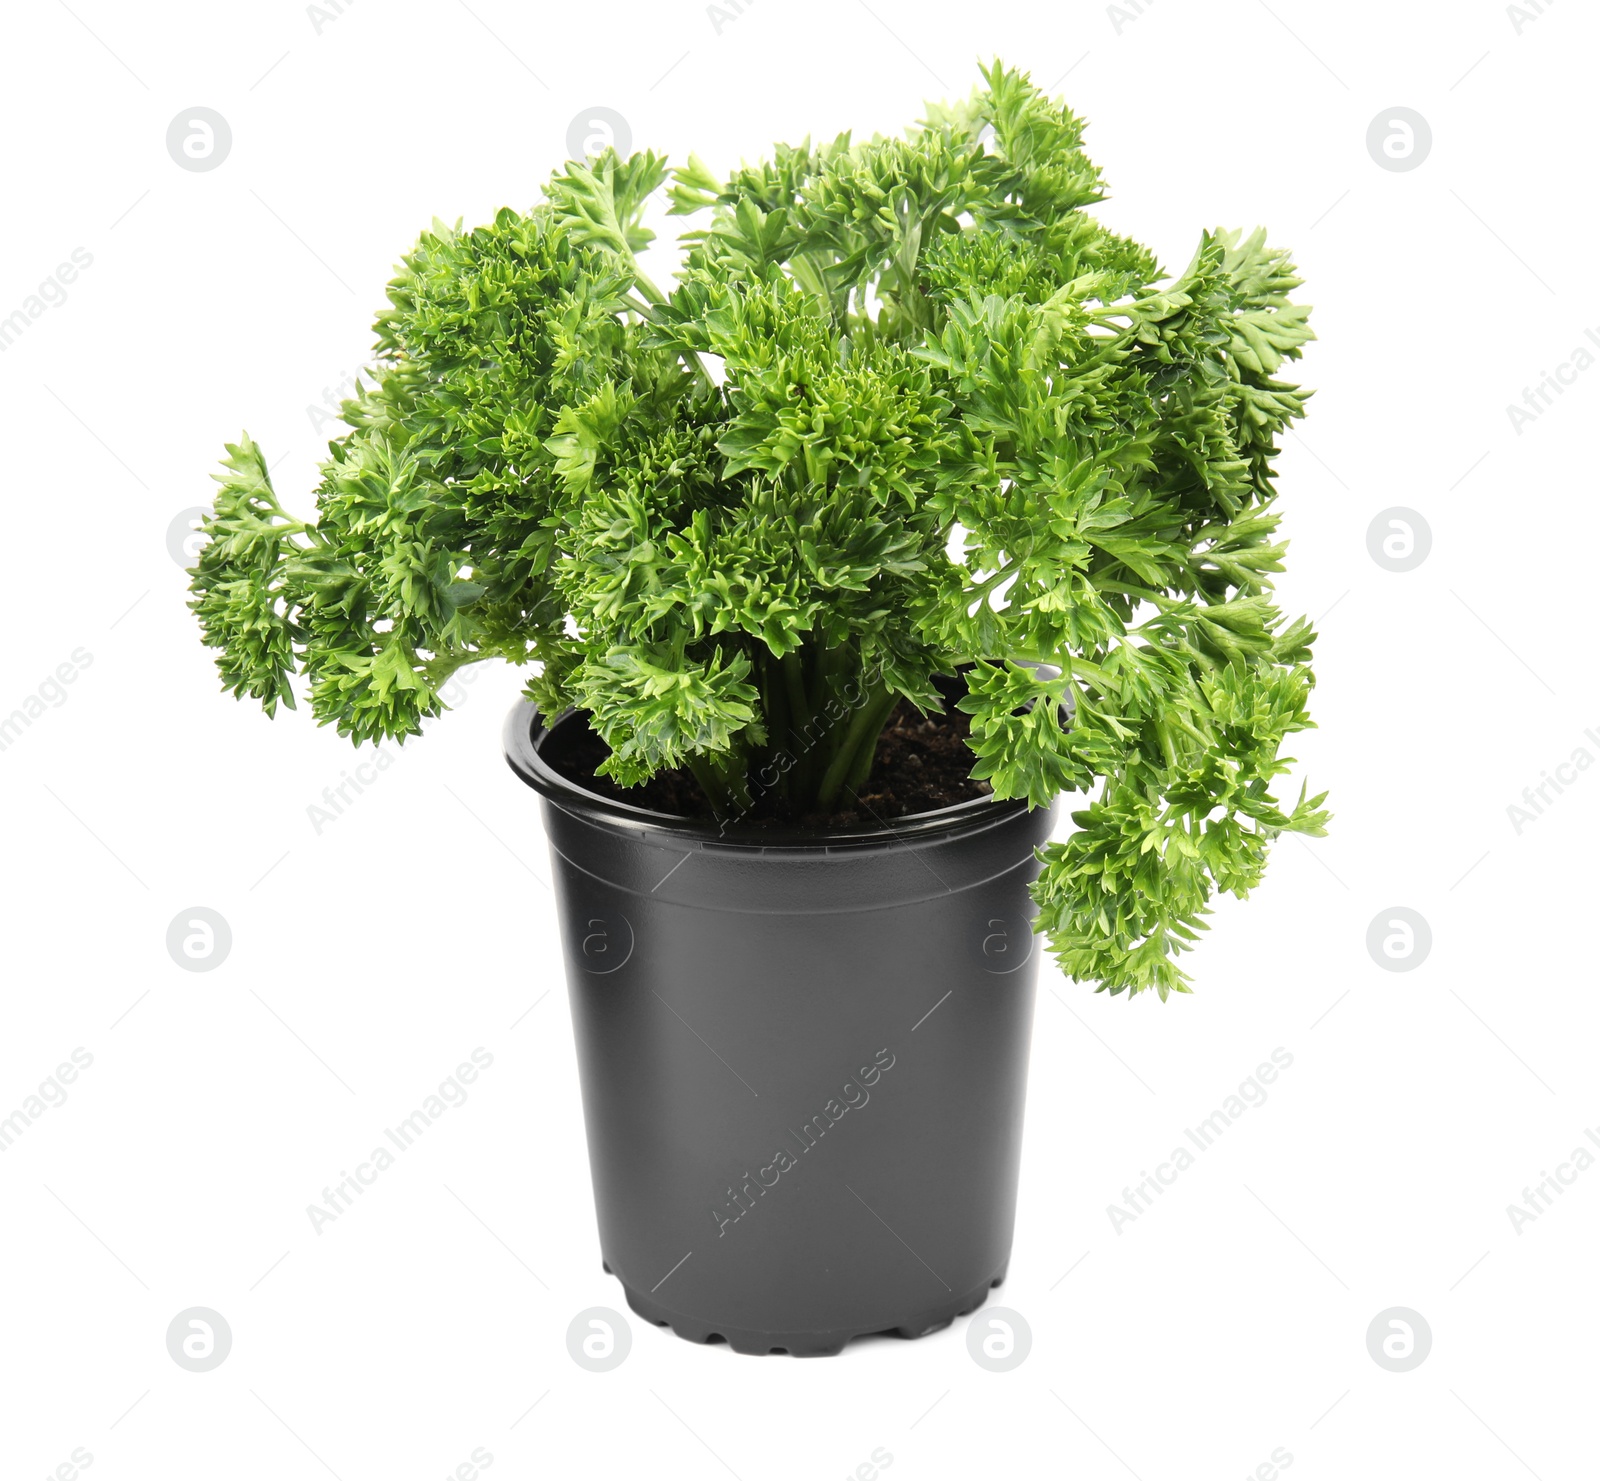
(906, 408)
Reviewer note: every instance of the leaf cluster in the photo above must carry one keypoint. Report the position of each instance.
(905, 408)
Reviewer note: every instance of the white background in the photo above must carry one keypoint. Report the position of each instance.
(1226, 1322)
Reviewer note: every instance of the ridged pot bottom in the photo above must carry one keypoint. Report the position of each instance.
(827, 1344)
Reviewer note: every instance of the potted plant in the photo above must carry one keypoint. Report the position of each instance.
(918, 500)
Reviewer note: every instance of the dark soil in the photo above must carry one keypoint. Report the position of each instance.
(922, 762)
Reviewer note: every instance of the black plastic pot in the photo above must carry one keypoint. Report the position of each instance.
(803, 1056)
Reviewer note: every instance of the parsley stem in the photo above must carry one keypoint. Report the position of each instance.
(865, 726)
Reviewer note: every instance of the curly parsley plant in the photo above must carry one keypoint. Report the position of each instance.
(905, 408)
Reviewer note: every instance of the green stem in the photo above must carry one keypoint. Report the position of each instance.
(801, 741)
(723, 780)
(654, 296)
(830, 665)
(794, 679)
(981, 589)
(867, 752)
(865, 726)
(711, 784)
(643, 283)
(1168, 750)
(438, 669)
(735, 768)
(775, 706)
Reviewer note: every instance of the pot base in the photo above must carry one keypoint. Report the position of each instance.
(803, 1344)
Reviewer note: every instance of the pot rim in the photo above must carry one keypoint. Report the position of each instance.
(525, 728)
